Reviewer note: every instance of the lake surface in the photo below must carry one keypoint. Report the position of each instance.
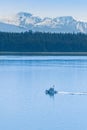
(23, 102)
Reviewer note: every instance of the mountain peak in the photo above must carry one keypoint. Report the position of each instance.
(65, 19)
(22, 14)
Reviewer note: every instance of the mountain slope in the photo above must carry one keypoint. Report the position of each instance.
(25, 21)
(4, 27)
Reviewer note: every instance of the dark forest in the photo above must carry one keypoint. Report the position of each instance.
(42, 42)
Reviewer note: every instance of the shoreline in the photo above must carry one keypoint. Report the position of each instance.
(43, 53)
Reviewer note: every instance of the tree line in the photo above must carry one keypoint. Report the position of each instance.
(42, 42)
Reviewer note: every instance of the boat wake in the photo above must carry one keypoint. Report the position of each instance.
(72, 93)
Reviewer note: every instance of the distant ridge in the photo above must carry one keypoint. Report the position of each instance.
(24, 21)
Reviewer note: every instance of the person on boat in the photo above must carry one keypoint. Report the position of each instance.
(51, 91)
(52, 88)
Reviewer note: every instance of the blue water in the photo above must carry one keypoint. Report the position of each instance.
(23, 102)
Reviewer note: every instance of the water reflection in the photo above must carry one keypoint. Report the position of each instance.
(45, 61)
(23, 102)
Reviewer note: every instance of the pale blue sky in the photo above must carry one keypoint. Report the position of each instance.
(50, 8)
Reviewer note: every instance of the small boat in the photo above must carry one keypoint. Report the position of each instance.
(51, 91)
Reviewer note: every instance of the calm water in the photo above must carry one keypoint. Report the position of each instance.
(23, 103)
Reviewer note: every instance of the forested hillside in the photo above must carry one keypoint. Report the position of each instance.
(42, 42)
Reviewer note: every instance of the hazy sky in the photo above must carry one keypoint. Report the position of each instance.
(50, 8)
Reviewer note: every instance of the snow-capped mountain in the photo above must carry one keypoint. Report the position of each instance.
(23, 21)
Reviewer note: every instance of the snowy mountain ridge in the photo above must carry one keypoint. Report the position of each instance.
(23, 21)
